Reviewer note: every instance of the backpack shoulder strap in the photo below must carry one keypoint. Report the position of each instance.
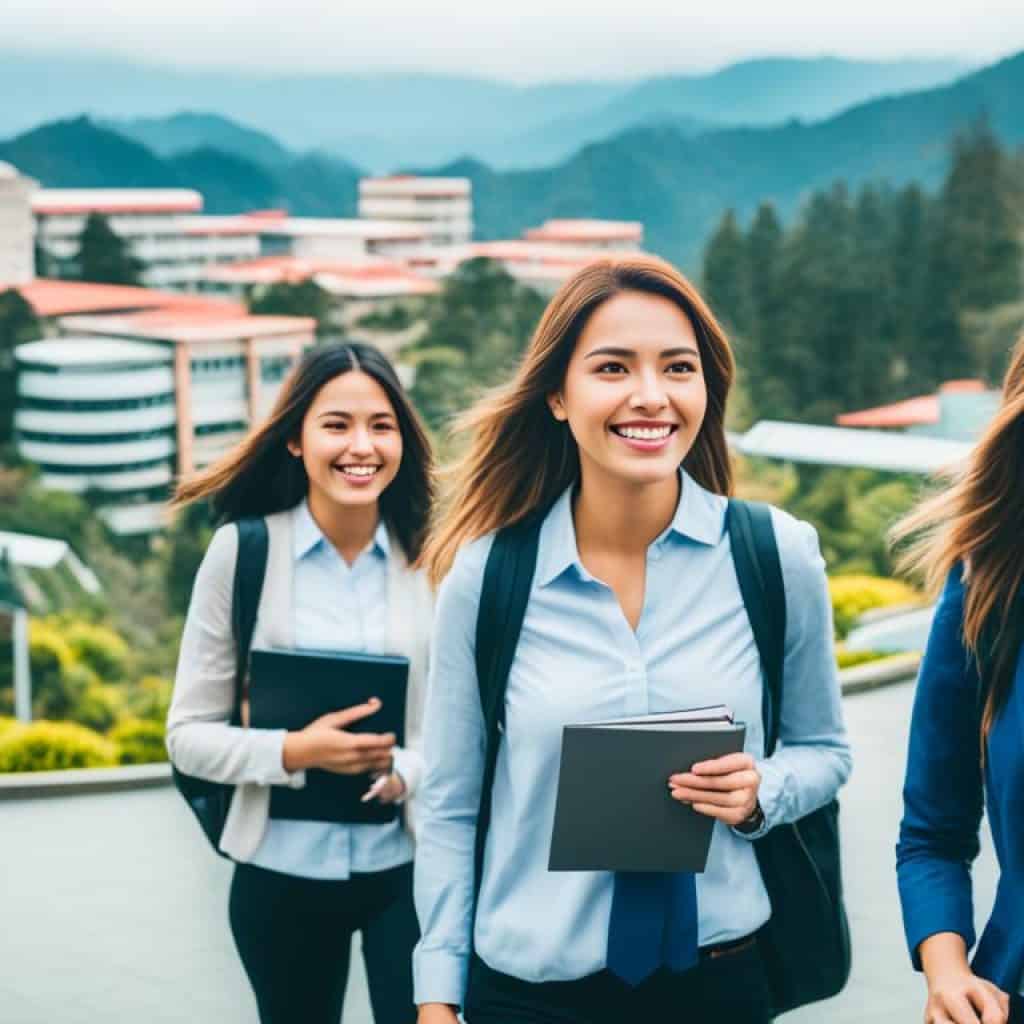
(755, 555)
(504, 595)
(250, 570)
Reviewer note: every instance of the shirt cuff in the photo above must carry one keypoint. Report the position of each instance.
(269, 757)
(439, 976)
(409, 765)
(768, 796)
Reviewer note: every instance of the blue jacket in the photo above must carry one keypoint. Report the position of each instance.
(944, 796)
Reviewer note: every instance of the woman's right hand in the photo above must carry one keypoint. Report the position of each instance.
(325, 744)
(956, 995)
(437, 1013)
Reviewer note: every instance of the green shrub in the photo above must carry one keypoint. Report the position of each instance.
(99, 648)
(53, 746)
(98, 708)
(150, 699)
(847, 659)
(139, 742)
(7, 725)
(854, 595)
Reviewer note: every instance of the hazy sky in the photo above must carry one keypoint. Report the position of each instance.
(523, 40)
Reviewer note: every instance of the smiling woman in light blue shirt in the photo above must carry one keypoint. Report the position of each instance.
(614, 423)
(340, 473)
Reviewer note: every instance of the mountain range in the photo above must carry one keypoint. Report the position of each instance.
(675, 179)
(385, 121)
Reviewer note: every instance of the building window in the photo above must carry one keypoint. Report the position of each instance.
(94, 405)
(142, 435)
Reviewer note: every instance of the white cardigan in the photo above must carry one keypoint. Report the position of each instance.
(199, 739)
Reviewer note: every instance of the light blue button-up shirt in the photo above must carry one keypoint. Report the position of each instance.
(579, 660)
(342, 608)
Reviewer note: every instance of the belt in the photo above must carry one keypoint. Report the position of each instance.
(726, 948)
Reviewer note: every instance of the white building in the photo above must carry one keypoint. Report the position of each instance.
(161, 225)
(339, 238)
(124, 404)
(443, 206)
(17, 257)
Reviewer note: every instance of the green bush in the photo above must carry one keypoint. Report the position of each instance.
(54, 746)
(847, 659)
(139, 742)
(7, 724)
(98, 708)
(98, 648)
(150, 699)
(854, 595)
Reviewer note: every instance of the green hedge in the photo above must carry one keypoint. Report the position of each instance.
(139, 742)
(853, 595)
(54, 746)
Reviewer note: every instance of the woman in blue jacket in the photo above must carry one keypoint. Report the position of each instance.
(967, 733)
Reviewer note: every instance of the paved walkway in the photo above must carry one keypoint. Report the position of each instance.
(114, 910)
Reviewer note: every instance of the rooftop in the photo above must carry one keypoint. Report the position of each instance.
(414, 185)
(50, 298)
(253, 223)
(925, 410)
(53, 201)
(191, 326)
(360, 279)
(583, 231)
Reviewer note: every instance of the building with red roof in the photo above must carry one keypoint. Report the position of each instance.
(958, 411)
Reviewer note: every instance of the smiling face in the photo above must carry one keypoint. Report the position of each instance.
(634, 394)
(350, 443)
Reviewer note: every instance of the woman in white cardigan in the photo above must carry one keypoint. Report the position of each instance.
(341, 472)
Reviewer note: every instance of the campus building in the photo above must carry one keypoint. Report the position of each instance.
(124, 404)
(604, 235)
(17, 257)
(959, 411)
(162, 226)
(442, 206)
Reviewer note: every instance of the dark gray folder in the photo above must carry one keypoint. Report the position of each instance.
(290, 688)
(613, 811)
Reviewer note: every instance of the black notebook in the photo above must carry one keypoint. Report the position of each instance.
(613, 810)
(288, 689)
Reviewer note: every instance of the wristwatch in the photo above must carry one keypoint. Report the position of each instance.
(754, 822)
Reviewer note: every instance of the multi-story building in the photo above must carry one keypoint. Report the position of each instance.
(162, 227)
(123, 404)
(443, 206)
(17, 256)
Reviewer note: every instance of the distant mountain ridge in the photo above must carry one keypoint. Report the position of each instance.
(679, 185)
(78, 153)
(385, 121)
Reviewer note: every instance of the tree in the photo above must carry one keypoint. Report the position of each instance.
(726, 275)
(18, 324)
(104, 256)
(476, 331)
(302, 298)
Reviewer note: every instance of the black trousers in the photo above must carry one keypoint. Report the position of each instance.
(727, 989)
(294, 936)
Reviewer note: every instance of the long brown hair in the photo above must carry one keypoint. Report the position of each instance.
(520, 458)
(260, 476)
(979, 521)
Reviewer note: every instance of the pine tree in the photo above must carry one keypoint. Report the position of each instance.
(103, 256)
(725, 275)
(303, 298)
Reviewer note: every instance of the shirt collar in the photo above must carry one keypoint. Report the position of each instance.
(699, 516)
(306, 535)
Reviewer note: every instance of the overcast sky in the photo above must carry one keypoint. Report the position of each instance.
(521, 40)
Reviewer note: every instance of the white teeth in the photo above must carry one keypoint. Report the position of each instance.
(644, 433)
(360, 470)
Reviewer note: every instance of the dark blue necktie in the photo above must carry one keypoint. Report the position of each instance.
(653, 923)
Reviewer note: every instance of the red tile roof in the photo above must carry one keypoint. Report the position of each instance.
(912, 412)
(50, 298)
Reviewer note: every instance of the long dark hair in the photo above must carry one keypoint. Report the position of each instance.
(978, 520)
(520, 458)
(260, 476)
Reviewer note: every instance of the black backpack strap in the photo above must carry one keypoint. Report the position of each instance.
(504, 595)
(250, 570)
(755, 555)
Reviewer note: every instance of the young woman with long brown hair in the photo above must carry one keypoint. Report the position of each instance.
(612, 430)
(341, 474)
(967, 731)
